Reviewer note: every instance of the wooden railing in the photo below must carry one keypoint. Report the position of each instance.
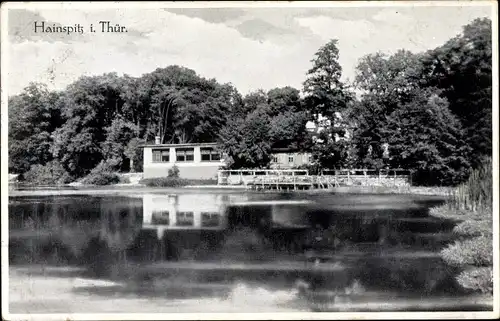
(327, 178)
(246, 176)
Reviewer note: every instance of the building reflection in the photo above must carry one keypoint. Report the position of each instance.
(212, 212)
(183, 212)
(227, 226)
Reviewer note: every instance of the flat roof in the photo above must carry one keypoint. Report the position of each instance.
(179, 145)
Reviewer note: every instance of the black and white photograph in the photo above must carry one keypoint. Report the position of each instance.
(249, 160)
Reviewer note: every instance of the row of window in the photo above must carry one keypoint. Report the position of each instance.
(208, 154)
(185, 218)
(291, 159)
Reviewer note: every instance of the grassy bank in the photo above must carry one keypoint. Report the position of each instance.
(176, 182)
(471, 205)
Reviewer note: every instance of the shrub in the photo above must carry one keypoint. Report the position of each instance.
(477, 251)
(102, 178)
(52, 173)
(477, 279)
(474, 228)
(164, 182)
(173, 172)
(102, 174)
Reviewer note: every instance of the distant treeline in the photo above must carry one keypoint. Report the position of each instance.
(429, 112)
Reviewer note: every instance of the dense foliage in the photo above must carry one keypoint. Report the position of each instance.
(428, 112)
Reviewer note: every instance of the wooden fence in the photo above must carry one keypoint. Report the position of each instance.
(296, 179)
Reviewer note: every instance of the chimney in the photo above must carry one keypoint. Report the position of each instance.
(157, 140)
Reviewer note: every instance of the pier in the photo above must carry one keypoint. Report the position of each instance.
(294, 179)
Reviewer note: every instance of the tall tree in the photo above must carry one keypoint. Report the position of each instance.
(89, 106)
(247, 141)
(185, 107)
(285, 99)
(462, 68)
(288, 130)
(33, 116)
(325, 92)
(386, 83)
(388, 80)
(424, 136)
(402, 125)
(119, 134)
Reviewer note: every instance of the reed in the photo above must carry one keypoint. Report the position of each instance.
(476, 194)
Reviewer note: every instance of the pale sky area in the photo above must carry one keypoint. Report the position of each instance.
(250, 47)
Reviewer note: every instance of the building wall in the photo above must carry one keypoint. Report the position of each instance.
(198, 169)
(195, 169)
(282, 160)
(188, 171)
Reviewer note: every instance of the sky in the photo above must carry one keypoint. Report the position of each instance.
(252, 48)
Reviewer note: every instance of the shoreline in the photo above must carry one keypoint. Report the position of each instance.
(127, 189)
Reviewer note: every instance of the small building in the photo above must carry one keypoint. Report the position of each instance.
(194, 161)
(286, 158)
(203, 160)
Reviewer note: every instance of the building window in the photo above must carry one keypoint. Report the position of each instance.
(209, 154)
(185, 219)
(161, 155)
(184, 154)
(290, 159)
(275, 159)
(210, 219)
(160, 218)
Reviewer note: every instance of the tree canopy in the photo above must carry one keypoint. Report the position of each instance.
(429, 112)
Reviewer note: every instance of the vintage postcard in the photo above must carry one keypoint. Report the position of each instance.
(249, 160)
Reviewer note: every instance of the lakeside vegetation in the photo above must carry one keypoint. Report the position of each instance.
(472, 205)
(428, 112)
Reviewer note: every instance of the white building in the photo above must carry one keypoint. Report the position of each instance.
(194, 161)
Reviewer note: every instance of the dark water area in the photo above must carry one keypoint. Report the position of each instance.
(324, 248)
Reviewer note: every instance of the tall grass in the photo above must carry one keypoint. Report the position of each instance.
(472, 204)
(476, 194)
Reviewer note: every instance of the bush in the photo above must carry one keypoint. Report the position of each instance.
(52, 173)
(101, 179)
(477, 279)
(477, 251)
(164, 182)
(173, 172)
(102, 174)
(474, 228)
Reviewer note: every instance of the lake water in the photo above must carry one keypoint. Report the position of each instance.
(230, 252)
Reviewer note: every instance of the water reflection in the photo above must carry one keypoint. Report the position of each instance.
(320, 250)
